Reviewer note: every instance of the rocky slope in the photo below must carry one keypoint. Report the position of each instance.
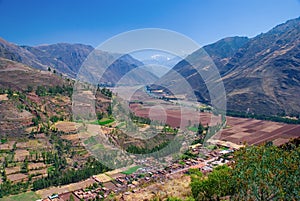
(261, 75)
(18, 101)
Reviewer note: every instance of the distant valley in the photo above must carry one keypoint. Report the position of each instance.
(261, 75)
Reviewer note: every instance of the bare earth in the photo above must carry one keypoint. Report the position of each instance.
(254, 131)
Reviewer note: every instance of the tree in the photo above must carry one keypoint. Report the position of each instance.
(71, 197)
(212, 187)
(10, 93)
(109, 110)
(259, 173)
(200, 129)
(24, 167)
(99, 115)
(4, 177)
(266, 173)
(31, 134)
(37, 156)
(41, 91)
(29, 88)
(35, 121)
(54, 118)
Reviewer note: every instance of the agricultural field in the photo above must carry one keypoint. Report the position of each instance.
(252, 131)
(237, 130)
(67, 127)
(174, 113)
(22, 196)
(131, 170)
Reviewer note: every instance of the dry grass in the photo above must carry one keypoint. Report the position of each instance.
(71, 137)
(67, 127)
(32, 166)
(16, 177)
(12, 170)
(37, 144)
(3, 97)
(41, 171)
(21, 154)
(7, 146)
(177, 186)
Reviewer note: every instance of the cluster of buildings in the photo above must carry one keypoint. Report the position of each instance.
(206, 163)
(117, 182)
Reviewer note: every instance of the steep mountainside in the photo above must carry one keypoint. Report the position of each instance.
(103, 67)
(218, 54)
(264, 76)
(19, 102)
(223, 50)
(261, 75)
(19, 54)
(68, 58)
(65, 58)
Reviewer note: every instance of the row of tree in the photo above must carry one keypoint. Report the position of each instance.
(70, 176)
(9, 188)
(278, 118)
(64, 90)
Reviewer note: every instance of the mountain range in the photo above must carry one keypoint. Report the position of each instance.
(261, 75)
(67, 59)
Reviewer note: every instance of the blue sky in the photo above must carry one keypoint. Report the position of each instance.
(33, 22)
